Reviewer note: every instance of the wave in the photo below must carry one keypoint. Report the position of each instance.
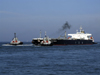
(17, 45)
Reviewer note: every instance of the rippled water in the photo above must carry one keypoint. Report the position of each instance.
(54, 60)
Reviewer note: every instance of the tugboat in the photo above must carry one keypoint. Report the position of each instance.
(46, 41)
(15, 41)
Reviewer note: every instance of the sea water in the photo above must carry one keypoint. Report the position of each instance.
(28, 59)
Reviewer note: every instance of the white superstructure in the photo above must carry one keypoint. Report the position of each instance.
(15, 40)
(81, 35)
(46, 41)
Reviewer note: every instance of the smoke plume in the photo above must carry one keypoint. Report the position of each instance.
(65, 26)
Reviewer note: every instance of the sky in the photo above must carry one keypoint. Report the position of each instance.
(27, 17)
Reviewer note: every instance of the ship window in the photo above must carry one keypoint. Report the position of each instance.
(89, 36)
(78, 42)
(75, 42)
(82, 42)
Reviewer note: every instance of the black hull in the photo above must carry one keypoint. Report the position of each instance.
(66, 42)
(36, 42)
(73, 42)
(17, 44)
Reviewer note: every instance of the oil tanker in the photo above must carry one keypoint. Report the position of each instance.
(79, 38)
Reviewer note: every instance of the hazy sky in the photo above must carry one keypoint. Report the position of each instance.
(28, 17)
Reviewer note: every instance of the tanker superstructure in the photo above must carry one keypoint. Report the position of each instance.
(79, 38)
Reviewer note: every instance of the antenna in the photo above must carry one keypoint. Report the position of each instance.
(80, 28)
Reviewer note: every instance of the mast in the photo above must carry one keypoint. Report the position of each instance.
(45, 34)
(40, 33)
(65, 34)
(14, 35)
